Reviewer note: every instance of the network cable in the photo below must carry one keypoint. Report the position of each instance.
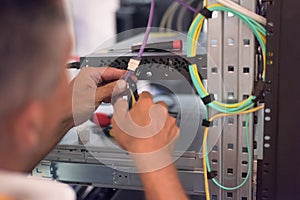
(244, 107)
(258, 30)
(206, 165)
(230, 109)
(135, 62)
(150, 20)
(193, 36)
(239, 108)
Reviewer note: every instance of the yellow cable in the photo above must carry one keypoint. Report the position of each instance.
(206, 185)
(193, 41)
(132, 98)
(198, 28)
(195, 71)
(264, 55)
(196, 36)
(194, 21)
(216, 102)
(237, 113)
(265, 64)
(263, 38)
(235, 105)
(214, 5)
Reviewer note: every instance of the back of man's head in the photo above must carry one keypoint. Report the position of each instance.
(28, 53)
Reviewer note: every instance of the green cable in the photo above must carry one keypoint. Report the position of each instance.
(249, 162)
(252, 24)
(257, 29)
(248, 104)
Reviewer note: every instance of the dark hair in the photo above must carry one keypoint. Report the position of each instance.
(32, 10)
(25, 50)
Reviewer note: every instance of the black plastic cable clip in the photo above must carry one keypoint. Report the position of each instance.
(258, 90)
(206, 13)
(207, 123)
(212, 174)
(208, 99)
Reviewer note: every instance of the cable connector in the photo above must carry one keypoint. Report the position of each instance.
(258, 91)
(133, 64)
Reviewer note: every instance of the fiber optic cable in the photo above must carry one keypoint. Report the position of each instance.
(258, 30)
(244, 107)
(193, 36)
(206, 165)
(204, 3)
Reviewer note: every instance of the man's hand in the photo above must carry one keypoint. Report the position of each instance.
(127, 125)
(146, 131)
(91, 87)
(149, 134)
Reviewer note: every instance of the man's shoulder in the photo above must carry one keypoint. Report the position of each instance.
(13, 184)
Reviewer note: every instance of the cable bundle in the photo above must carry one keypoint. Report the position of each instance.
(244, 107)
(252, 20)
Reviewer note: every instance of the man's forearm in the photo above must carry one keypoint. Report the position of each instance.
(163, 184)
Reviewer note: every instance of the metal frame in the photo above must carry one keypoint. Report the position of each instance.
(278, 171)
(103, 176)
(230, 84)
(74, 162)
(76, 165)
(214, 68)
(278, 174)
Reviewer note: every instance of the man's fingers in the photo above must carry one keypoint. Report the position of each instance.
(145, 97)
(144, 102)
(163, 104)
(107, 74)
(120, 87)
(107, 100)
(106, 91)
(103, 74)
(112, 74)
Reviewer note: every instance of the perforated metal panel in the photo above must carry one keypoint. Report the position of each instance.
(234, 57)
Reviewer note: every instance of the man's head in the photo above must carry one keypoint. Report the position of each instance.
(34, 46)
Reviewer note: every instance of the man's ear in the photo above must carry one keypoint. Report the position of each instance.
(27, 126)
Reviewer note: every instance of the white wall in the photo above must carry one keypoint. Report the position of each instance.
(94, 22)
